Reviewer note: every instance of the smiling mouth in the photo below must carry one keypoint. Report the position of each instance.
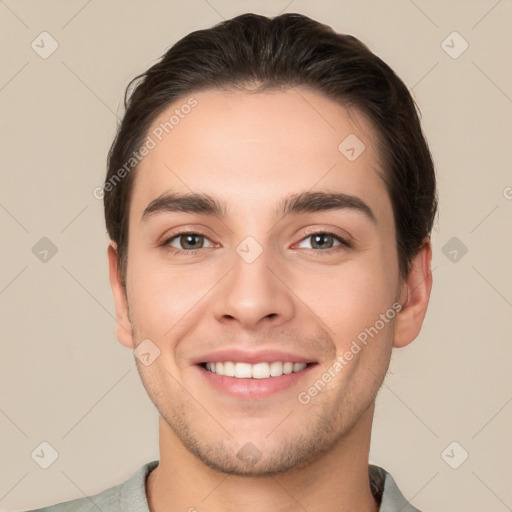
(261, 370)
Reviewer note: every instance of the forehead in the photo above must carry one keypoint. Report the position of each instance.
(250, 149)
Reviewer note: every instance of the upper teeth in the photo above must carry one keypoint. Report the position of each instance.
(255, 371)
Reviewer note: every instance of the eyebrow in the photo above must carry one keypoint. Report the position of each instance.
(304, 202)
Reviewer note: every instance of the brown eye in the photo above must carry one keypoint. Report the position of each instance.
(188, 241)
(322, 241)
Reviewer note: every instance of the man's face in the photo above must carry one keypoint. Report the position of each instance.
(254, 285)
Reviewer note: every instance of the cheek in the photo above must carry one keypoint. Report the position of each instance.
(348, 299)
(161, 296)
(358, 310)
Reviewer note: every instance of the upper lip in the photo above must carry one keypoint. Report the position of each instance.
(253, 357)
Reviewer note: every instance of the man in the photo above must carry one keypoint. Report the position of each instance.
(269, 200)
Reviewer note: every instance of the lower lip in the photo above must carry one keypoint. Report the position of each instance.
(254, 388)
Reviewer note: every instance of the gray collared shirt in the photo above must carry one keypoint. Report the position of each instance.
(130, 496)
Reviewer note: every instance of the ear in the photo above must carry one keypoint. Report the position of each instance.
(123, 326)
(414, 297)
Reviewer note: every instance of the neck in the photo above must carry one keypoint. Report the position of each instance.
(336, 481)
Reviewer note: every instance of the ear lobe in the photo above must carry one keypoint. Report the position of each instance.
(123, 325)
(414, 297)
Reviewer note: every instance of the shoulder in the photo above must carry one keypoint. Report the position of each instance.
(106, 501)
(127, 496)
(387, 493)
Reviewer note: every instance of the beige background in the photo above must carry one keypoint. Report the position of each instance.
(65, 379)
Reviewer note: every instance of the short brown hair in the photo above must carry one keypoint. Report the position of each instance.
(283, 52)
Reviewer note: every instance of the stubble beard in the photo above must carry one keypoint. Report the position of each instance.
(281, 451)
(326, 426)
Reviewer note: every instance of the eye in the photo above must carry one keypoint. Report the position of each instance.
(323, 241)
(188, 241)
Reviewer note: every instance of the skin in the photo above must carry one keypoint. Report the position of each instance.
(250, 150)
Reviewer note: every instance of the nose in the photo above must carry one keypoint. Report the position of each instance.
(254, 295)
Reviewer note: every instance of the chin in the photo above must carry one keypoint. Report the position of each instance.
(250, 461)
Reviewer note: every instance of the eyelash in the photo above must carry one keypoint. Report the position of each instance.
(343, 242)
